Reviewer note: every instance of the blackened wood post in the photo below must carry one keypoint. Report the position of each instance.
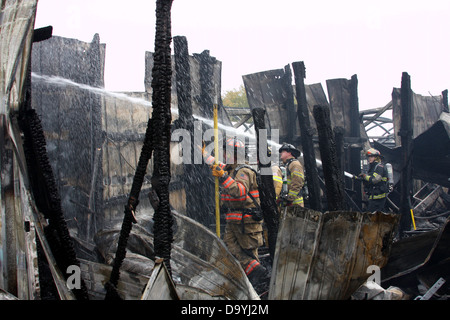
(290, 106)
(183, 80)
(96, 218)
(265, 185)
(340, 150)
(192, 187)
(445, 101)
(355, 131)
(206, 83)
(159, 146)
(333, 177)
(309, 158)
(204, 199)
(162, 118)
(406, 137)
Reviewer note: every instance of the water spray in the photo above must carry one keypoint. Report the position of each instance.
(59, 81)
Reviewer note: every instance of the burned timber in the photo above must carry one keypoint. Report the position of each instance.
(92, 180)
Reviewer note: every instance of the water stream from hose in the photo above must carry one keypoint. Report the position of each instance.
(63, 82)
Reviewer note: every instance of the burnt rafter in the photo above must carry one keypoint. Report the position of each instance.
(162, 117)
(159, 145)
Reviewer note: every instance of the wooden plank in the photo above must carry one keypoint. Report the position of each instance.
(266, 90)
(324, 256)
(427, 110)
(297, 243)
(58, 278)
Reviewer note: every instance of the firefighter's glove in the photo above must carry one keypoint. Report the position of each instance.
(284, 200)
(362, 176)
(217, 171)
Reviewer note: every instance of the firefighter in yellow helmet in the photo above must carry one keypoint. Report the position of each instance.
(240, 203)
(295, 175)
(375, 181)
(277, 175)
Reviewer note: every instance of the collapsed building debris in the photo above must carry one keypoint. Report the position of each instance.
(324, 256)
(91, 141)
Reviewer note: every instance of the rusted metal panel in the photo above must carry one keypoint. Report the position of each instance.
(326, 255)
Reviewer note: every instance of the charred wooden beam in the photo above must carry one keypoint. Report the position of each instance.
(46, 194)
(206, 83)
(287, 83)
(309, 158)
(340, 153)
(333, 178)
(406, 135)
(355, 132)
(43, 185)
(162, 118)
(238, 111)
(266, 187)
(183, 80)
(42, 34)
(445, 101)
(197, 207)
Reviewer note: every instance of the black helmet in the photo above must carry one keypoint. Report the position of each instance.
(290, 148)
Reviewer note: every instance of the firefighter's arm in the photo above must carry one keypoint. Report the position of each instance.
(297, 180)
(373, 178)
(277, 180)
(209, 159)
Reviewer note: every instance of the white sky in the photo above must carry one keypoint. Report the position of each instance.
(376, 40)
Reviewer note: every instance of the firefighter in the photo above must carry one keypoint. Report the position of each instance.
(295, 175)
(375, 181)
(277, 175)
(240, 203)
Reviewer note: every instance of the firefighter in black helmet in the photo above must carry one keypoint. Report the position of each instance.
(295, 175)
(375, 181)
